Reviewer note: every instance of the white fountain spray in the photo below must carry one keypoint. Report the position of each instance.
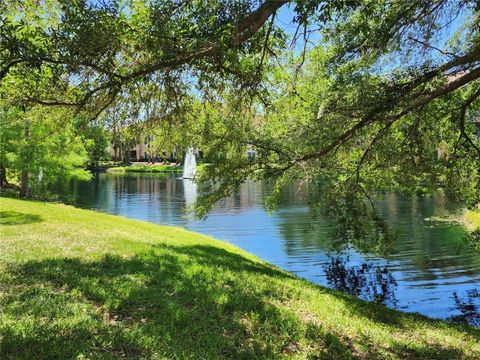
(189, 165)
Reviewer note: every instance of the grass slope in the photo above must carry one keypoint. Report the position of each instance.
(79, 284)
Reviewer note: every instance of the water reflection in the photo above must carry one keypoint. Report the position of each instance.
(424, 269)
(468, 305)
(190, 192)
(367, 281)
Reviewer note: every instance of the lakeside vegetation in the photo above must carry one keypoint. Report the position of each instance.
(472, 222)
(80, 284)
(472, 218)
(146, 168)
(156, 168)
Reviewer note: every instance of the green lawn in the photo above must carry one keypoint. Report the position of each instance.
(146, 168)
(79, 284)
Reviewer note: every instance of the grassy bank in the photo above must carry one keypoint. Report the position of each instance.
(79, 284)
(146, 169)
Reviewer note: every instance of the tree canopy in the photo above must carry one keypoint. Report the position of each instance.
(355, 97)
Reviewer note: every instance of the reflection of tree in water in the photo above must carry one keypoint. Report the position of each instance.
(469, 307)
(367, 281)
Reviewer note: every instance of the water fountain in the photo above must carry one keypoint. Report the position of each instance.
(189, 165)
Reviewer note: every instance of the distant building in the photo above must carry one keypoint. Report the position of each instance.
(142, 151)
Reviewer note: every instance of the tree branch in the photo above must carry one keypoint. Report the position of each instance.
(425, 99)
(245, 29)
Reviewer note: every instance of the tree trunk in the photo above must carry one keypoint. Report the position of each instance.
(24, 184)
(116, 156)
(3, 176)
(24, 190)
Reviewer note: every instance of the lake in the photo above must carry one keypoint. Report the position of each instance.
(429, 269)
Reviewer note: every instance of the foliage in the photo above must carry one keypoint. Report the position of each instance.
(76, 283)
(96, 140)
(472, 217)
(114, 47)
(473, 239)
(41, 143)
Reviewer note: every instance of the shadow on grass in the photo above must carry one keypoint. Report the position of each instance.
(173, 302)
(17, 218)
(213, 256)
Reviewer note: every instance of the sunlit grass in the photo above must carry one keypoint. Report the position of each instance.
(79, 284)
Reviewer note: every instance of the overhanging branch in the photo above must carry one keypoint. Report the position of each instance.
(422, 101)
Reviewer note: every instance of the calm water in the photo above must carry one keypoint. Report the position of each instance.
(428, 271)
